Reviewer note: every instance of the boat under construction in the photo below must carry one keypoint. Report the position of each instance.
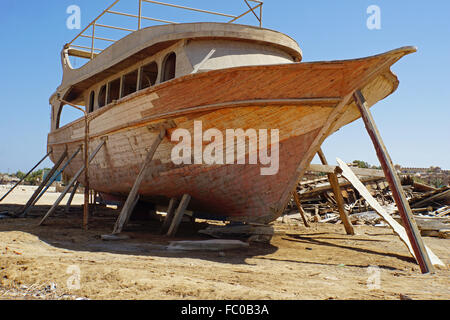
(139, 90)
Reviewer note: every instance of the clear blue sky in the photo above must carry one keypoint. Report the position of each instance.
(414, 122)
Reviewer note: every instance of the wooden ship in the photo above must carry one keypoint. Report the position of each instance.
(158, 79)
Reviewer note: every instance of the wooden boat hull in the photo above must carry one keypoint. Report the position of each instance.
(306, 102)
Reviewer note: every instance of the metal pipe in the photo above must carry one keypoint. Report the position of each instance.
(97, 38)
(245, 13)
(93, 41)
(192, 9)
(94, 21)
(141, 17)
(112, 27)
(140, 14)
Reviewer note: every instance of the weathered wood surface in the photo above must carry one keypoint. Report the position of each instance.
(305, 112)
(300, 209)
(395, 185)
(62, 155)
(71, 184)
(396, 227)
(131, 200)
(177, 218)
(332, 177)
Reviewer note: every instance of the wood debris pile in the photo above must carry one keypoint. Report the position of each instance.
(430, 206)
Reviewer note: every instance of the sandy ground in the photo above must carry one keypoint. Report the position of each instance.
(320, 262)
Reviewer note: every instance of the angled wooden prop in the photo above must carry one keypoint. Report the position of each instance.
(24, 177)
(300, 208)
(43, 184)
(169, 217)
(334, 181)
(71, 183)
(394, 183)
(179, 215)
(72, 195)
(131, 200)
(397, 227)
(53, 179)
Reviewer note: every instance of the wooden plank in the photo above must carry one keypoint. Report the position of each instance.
(179, 215)
(398, 229)
(71, 183)
(321, 168)
(26, 175)
(128, 207)
(300, 208)
(332, 177)
(434, 197)
(395, 185)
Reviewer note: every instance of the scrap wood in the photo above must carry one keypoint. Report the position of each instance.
(440, 195)
(398, 229)
(442, 211)
(321, 168)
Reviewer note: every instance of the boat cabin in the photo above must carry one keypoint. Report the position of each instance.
(154, 55)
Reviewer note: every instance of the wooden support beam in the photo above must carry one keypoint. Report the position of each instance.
(72, 195)
(332, 177)
(71, 183)
(28, 173)
(179, 215)
(43, 184)
(394, 182)
(300, 208)
(53, 179)
(169, 217)
(129, 204)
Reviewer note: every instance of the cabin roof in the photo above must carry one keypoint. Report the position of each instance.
(148, 41)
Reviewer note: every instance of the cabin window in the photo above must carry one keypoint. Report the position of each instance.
(113, 91)
(130, 83)
(149, 74)
(66, 115)
(102, 97)
(169, 66)
(91, 101)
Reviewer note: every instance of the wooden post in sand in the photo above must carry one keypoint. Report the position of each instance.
(395, 185)
(179, 215)
(71, 183)
(43, 184)
(300, 208)
(169, 217)
(334, 181)
(131, 200)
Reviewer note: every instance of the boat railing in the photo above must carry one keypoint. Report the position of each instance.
(91, 31)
